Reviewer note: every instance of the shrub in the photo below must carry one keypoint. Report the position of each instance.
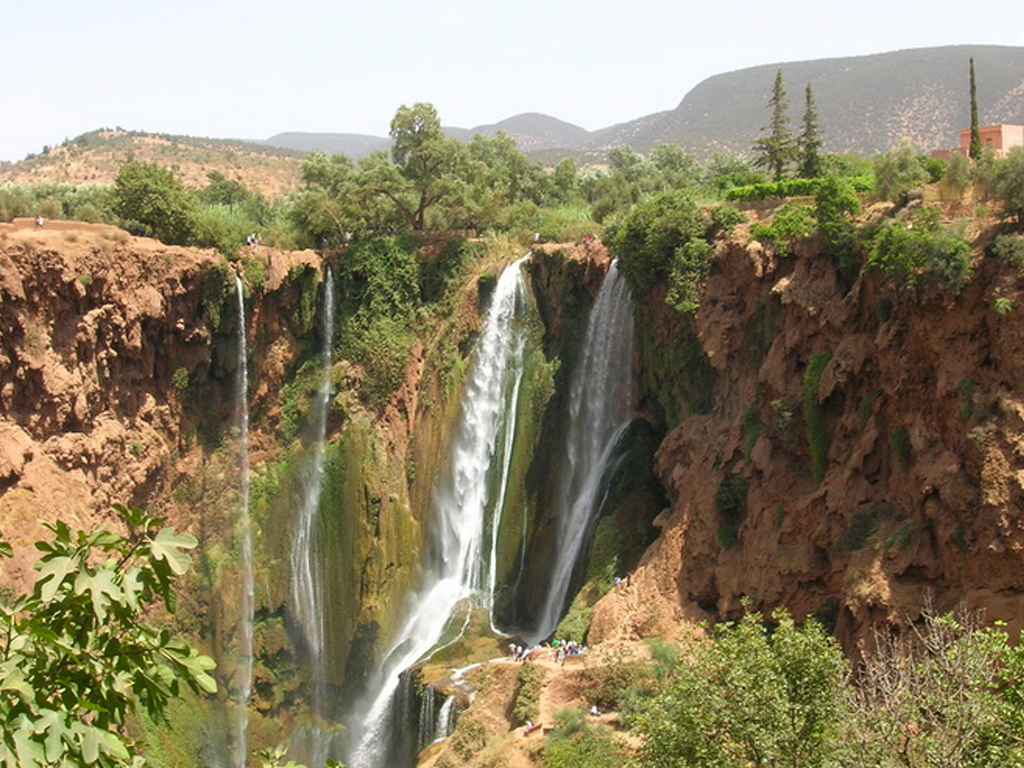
(731, 505)
(897, 172)
(648, 236)
(835, 201)
(899, 442)
(923, 250)
(690, 266)
(80, 657)
(529, 680)
(814, 422)
(153, 197)
(758, 695)
(575, 743)
(789, 224)
(725, 218)
(862, 526)
(1009, 249)
(791, 188)
(1009, 183)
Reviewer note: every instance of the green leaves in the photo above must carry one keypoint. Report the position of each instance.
(52, 572)
(77, 658)
(167, 545)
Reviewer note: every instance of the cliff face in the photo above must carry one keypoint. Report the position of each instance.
(861, 454)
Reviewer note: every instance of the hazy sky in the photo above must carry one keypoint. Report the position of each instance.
(227, 68)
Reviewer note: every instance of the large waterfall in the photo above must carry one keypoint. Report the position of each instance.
(600, 404)
(456, 570)
(308, 590)
(243, 666)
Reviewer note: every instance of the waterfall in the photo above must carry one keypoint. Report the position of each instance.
(243, 666)
(445, 716)
(308, 591)
(600, 403)
(459, 504)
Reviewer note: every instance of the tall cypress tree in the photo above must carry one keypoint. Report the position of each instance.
(776, 148)
(810, 140)
(975, 150)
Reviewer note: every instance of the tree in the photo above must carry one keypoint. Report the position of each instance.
(428, 164)
(975, 150)
(1009, 183)
(328, 205)
(756, 696)
(810, 141)
(77, 657)
(775, 149)
(646, 239)
(146, 194)
(897, 172)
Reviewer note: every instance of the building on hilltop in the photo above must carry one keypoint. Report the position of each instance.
(1001, 138)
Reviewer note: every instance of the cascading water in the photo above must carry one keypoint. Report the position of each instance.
(600, 403)
(308, 591)
(243, 666)
(460, 504)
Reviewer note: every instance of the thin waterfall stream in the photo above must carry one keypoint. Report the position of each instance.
(308, 592)
(243, 666)
(457, 569)
(600, 407)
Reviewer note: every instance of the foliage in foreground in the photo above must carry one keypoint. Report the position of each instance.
(946, 693)
(754, 696)
(76, 656)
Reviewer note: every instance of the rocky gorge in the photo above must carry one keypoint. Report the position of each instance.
(805, 439)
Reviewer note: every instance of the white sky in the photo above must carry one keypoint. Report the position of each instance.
(253, 68)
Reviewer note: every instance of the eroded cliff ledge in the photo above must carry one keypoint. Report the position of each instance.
(912, 403)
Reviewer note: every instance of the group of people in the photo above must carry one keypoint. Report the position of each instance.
(562, 648)
(252, 239)
(517, 652)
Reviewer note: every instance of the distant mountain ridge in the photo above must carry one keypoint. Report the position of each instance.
(866, 104)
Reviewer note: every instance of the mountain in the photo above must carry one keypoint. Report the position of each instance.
(95, 157)
(866, 103)
(352, 144)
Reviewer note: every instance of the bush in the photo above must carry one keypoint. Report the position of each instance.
(152, 196)
(814, 422)
(731, 505)
(575, 743)
(1010, 249)
(690, 266)
(791, 188)
(529, 680)
(789, 224)
(725, 218)
(897, 172)
(757, 695)
(921, 251)
(647, 237)
(834, 203)
(80, 657)
(1009, 183)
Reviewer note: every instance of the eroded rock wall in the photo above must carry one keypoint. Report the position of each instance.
(917, 417)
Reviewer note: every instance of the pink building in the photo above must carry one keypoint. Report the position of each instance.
(1001, 138)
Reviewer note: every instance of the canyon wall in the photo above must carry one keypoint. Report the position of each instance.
(849, 451)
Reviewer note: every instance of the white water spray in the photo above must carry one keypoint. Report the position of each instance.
(308, 591)
(243, 665)
(460, 506)
(601, 399)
